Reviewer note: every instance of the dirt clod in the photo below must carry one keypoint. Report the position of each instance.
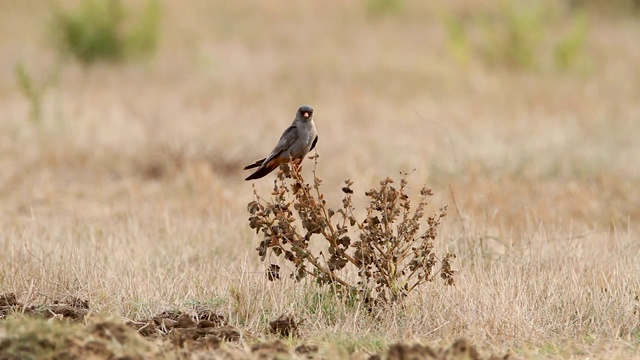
(8, 303)
(285, 326)
(146, 328)
(202, 330)
(168, 320)
(462, 349)
(404, 352)
(269, 350)
(305, 349)
(111, 331)
(459, 350)
(208, 324)
(72, 308)
(97, 349)
(205, 313)
(184, 322)
(74, 302)
(39, 338)
(194, 338)
(228, 333)
(65, 311)
(168, 314)
(8, 299)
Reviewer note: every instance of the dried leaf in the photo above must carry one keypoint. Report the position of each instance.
(273, 272)
(347, 190)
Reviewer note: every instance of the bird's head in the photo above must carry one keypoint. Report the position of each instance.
(305, 112)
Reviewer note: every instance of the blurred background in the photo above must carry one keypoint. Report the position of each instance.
(517, 111)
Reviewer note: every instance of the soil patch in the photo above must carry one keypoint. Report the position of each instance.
(461, 349)
(71, 308)
(201, 333)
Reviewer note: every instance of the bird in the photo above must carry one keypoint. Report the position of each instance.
(294, 144)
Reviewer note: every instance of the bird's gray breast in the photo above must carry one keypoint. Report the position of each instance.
(306, 134)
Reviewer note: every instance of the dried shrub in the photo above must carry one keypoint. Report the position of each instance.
(391, 250)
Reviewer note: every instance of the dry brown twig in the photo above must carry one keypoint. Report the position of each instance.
(393, 253)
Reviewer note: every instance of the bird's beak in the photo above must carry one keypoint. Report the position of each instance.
(305, 114)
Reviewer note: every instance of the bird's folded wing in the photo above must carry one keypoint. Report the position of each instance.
(288, 138)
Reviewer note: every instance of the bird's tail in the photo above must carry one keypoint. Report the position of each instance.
(255, 164)
(262, 171)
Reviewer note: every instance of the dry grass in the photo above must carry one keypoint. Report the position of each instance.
(129, 191)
